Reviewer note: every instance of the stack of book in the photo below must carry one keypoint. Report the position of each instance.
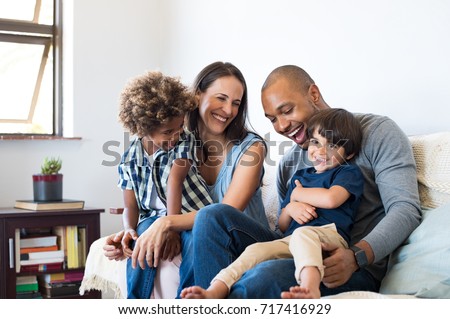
(55, 205)
(39, 253)
(60, 284)
(27, 288)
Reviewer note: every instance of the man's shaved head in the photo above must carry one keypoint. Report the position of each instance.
(296, 76)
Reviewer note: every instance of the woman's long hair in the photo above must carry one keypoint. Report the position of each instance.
(237, 130)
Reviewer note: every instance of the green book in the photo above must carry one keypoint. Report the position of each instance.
(27, 287)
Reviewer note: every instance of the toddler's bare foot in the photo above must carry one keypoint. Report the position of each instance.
(196, 292)
(298, 292)
(217, 290)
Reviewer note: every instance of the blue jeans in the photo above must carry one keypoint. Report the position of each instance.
(221, 233)
(186, 269)
(270, 278)
(140, 281)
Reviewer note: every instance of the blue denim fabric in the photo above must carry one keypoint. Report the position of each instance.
(187, 257)
(268, 279)
(220, 234)
(140, 281)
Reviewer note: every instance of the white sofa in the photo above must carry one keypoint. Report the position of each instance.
(419, 268)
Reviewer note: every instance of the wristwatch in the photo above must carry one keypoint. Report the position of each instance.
(360, 256)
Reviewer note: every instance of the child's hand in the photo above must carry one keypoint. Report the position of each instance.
(302, 213)
(128, 237)
(171, 247)
(113, 246)
(296, 192)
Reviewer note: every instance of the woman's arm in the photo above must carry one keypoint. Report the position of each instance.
(246, 177)
(246, 180)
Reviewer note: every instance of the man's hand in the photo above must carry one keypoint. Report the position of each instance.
(339, 265)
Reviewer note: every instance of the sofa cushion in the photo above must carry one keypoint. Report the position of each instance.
(421, 266)
(270, 194)
(432, 155)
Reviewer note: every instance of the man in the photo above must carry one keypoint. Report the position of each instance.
(388, 213)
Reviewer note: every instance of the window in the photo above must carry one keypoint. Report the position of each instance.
(30, 67)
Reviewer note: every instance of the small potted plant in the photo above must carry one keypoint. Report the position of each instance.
(48, 186)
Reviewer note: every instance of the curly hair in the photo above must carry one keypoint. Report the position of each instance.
(152, 99)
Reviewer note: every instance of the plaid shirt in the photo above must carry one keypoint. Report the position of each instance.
(135, 173)
(195, 193)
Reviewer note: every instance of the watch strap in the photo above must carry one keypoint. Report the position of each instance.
(360, 257)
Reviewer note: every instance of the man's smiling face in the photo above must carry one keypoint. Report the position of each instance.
(288, 110)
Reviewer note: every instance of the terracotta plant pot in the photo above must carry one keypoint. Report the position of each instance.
(48, 188)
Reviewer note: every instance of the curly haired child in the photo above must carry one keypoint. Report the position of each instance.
(158, 172)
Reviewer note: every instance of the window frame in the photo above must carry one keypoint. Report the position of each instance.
(32, 31)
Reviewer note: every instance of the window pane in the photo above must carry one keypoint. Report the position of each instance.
(27, 10)
(20, 82)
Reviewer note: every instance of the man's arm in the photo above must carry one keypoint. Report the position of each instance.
(390, 209)
(395, 176)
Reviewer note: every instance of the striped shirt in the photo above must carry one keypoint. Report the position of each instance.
(195, 193)
(135, 173)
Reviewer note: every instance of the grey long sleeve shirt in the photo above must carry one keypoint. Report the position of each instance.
(390, 207)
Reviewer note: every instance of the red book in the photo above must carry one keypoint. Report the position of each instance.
(41, 267)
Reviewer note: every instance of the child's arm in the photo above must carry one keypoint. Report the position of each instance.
(130, 218)
(284, 220)
(329, 198)
(178, 173)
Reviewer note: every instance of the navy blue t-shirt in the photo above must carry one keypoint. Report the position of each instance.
(347, 176)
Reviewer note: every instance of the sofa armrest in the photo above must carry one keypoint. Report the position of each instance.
(103, 274)
(116, 210)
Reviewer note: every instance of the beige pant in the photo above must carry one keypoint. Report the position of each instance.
(304, 245)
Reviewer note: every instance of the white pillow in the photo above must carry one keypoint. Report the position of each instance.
(421, 266)
(432, 155)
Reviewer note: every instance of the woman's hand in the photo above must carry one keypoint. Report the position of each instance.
(113, 247)
(148, 246)
(301, 212)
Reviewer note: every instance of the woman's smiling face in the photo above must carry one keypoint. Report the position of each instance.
(219, 104)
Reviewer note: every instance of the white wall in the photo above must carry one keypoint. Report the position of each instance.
(386, 57)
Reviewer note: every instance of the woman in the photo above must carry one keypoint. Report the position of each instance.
(231, 164)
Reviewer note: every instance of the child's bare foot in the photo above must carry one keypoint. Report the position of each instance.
(217, 290)
(298, 292)
(195, 292)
